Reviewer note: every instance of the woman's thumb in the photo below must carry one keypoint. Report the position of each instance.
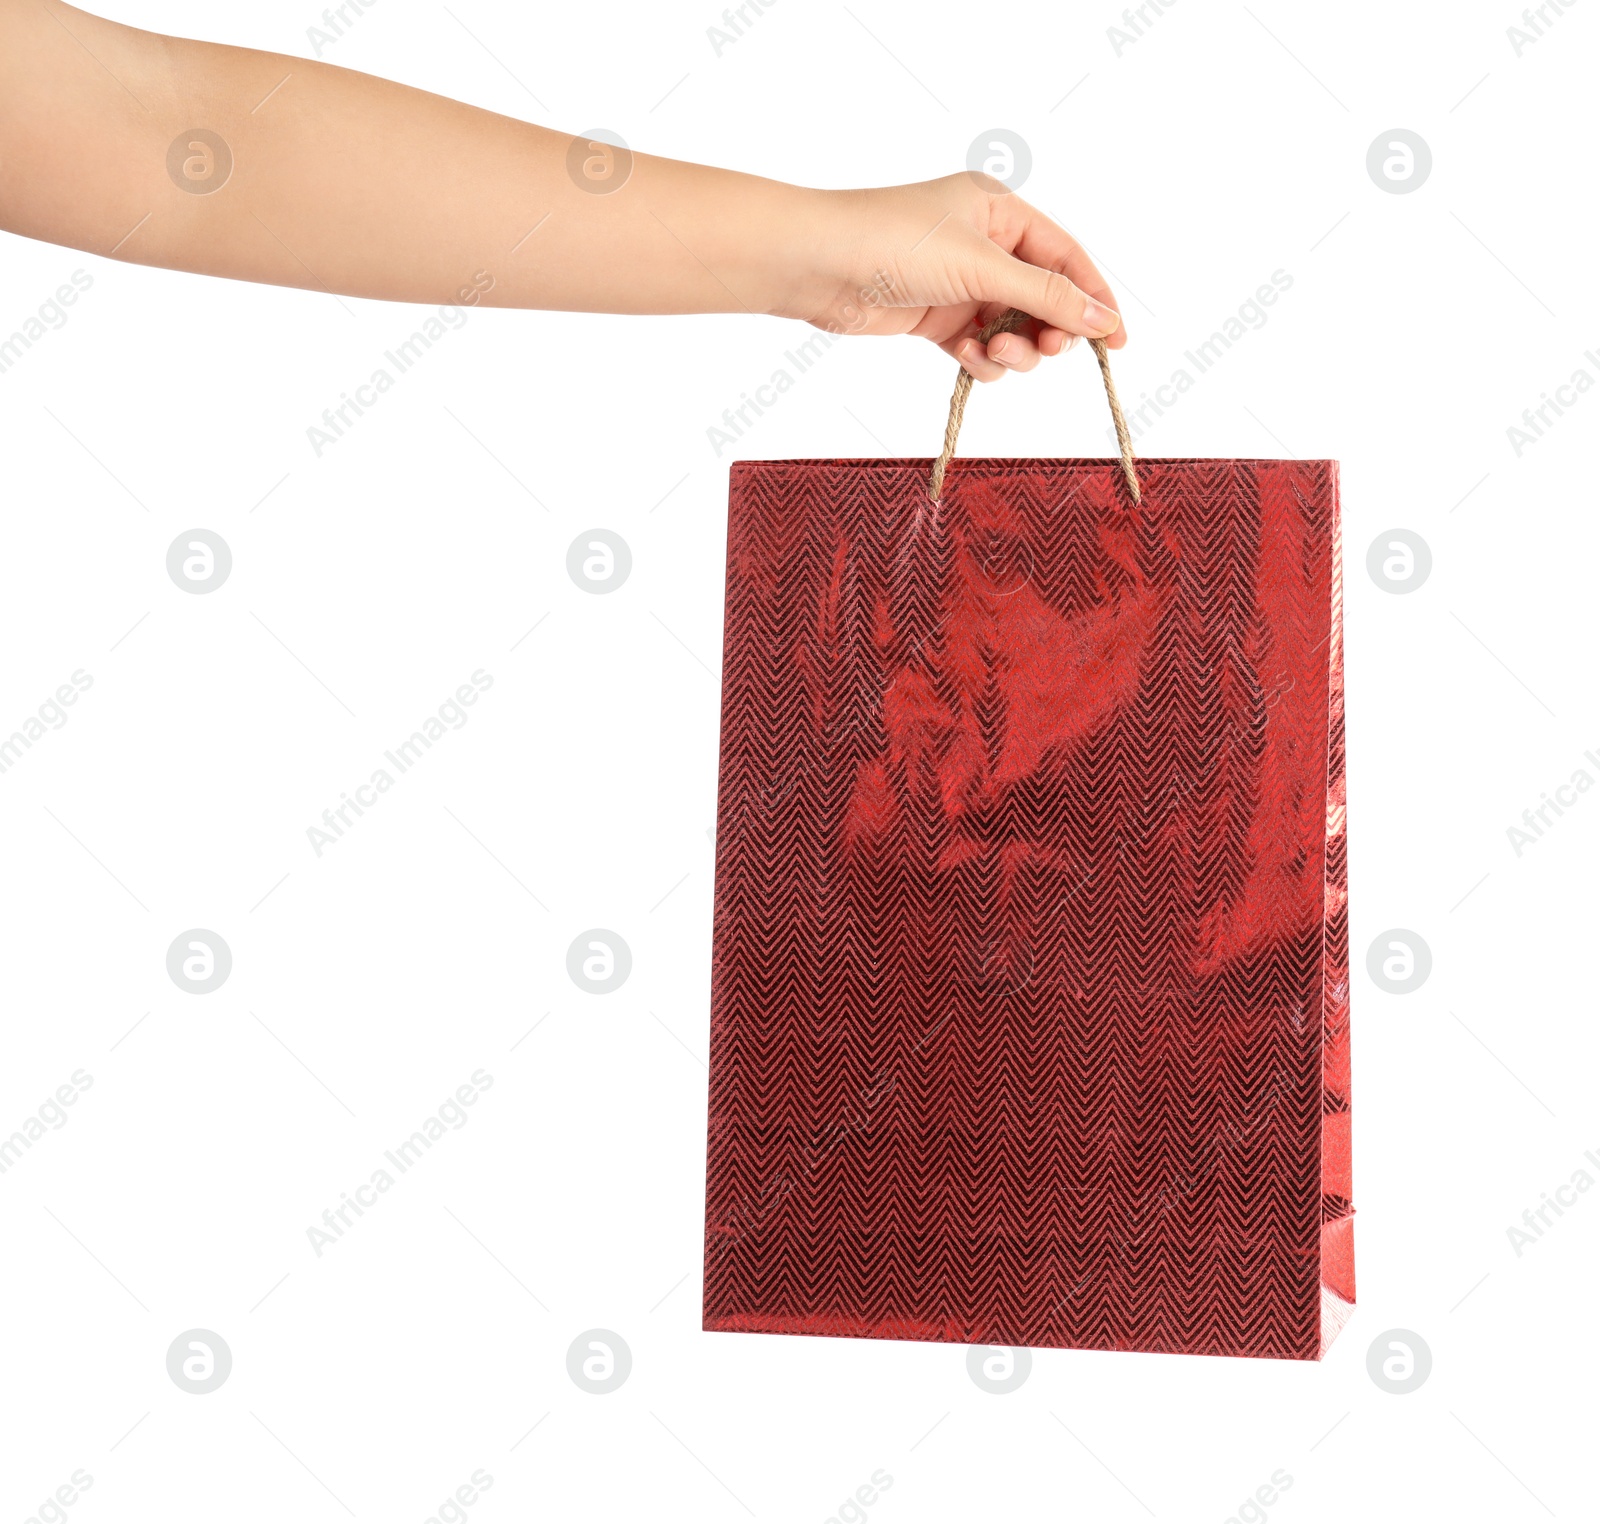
(1045, 295)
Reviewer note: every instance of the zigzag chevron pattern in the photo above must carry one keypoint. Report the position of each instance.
(1030, 999)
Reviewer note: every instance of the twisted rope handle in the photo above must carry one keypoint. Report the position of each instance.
(1007, 322)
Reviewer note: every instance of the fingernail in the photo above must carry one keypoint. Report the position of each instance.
(1072, 340)
(1102, 319)
(999, 350)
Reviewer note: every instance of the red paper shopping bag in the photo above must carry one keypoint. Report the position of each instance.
(1030, 984)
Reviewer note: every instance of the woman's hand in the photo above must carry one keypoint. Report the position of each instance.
(428, 200)
(939, 260)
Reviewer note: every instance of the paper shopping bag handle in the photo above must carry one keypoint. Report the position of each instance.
(1007, 321)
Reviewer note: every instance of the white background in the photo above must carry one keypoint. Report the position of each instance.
(431, 940)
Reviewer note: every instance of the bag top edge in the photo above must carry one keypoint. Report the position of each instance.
(965, 465)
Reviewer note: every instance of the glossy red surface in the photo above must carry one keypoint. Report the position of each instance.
(1030, 986)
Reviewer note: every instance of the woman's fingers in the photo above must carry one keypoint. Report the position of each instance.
(1015, 351)
(1049, 275)
(1043, 241)
(975, 358)
(1019, 351)
(1047, 295)
(1052, 341)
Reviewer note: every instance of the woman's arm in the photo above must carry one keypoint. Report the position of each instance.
(262, 167)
